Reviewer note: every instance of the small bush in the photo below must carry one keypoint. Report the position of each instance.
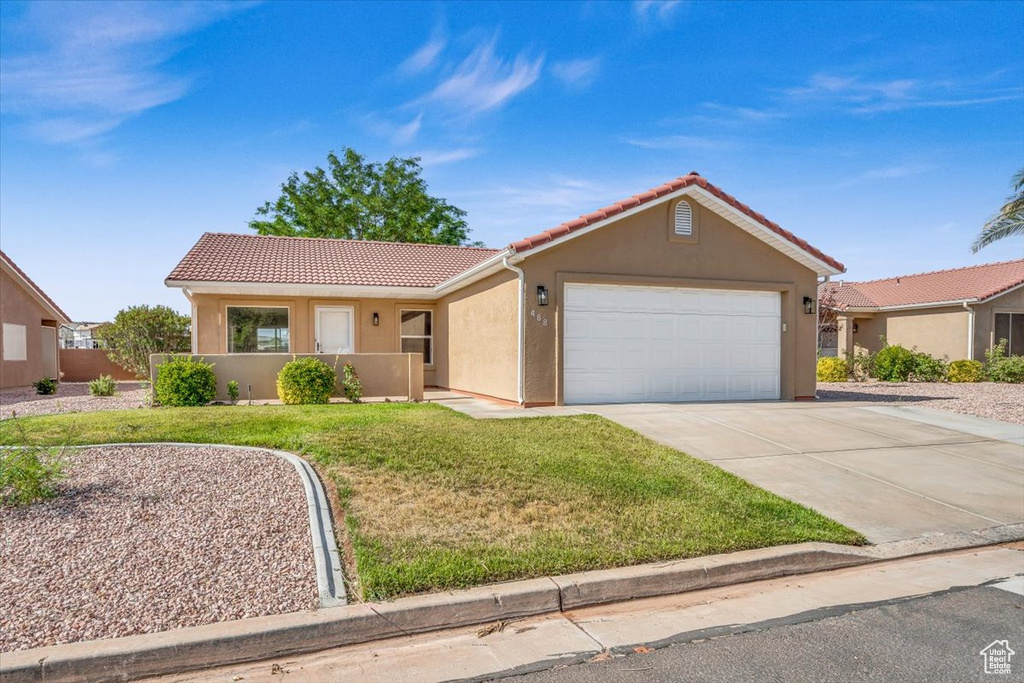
(860, 364)
(894, 363)
(1000, 367)
(831, 369)
(928, 368)
(46, 386)
(966, 371)
(102, 386)
(182, 381)
(306, 380)
(30, 474)
(351, 387)
(233, 390)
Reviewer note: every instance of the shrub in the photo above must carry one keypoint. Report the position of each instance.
(894, 363)
(928, 368)
(1000, 367)
(46, 386)
(831, 369)
(351, 387)
(139, 331)
(233, 390)
(102, 386)
(860, 364)
(182, 381)
(966, 371)
(29, 474)
(305, 380)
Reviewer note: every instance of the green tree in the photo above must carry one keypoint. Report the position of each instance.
(360, 200)
(139, 331)
(1009, 221)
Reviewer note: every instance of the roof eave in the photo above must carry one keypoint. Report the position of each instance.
(256, 289)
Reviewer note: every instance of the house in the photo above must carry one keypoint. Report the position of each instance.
(680, 293)
(958, 313)
(30, 318)
(81, 335)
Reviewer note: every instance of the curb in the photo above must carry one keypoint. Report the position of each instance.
(232, 642)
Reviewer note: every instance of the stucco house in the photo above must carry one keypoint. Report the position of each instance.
(958, 313)
(28, 333)
(680, 293)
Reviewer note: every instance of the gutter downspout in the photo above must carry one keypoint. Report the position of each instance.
(522, 327)
(193, 331)
(970, 331)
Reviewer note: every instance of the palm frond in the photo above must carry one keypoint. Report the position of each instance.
(1008, 222)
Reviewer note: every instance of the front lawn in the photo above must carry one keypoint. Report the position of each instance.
(436, 500)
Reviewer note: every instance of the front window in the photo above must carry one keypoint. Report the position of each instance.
(417, 334)
(254, 329)
(1010, 326)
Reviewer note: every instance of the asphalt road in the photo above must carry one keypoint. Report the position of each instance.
(933, 638)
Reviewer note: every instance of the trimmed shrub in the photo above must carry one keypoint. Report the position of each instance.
(351, 387)
(966, 371)
(1000, 367)
(102, 386)
(306, 380)
(928, 368)
(233, 390)
(894, 363)
(47, 386)
(831, 369)
(182, 381)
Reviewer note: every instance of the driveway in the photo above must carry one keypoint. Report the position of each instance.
(889, 472)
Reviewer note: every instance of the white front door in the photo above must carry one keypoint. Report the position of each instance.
(334, 329)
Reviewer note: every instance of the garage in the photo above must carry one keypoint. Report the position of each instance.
(625, 344)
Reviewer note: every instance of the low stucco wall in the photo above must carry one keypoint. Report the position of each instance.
(381, 374)
(85, 365)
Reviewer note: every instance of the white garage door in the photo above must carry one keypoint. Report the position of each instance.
(630, 344)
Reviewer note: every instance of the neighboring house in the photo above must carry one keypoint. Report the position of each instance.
(959, 313)
(28, 349)
(680, 293)
(80, 336)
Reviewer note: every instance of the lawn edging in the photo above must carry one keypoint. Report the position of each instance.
(261, 638)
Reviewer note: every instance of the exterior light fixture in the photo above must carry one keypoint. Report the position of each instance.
(808, 305)
(376, 318)
(855, 328)
(542, 295)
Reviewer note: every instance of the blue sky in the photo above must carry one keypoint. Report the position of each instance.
(885, 134)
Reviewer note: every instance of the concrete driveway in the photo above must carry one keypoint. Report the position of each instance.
(889, 472)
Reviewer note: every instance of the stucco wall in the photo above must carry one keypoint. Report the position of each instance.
(479, 327)
(85, 365)
(211, 314)
(938, 331)
(640, 249)
(984, 319)
(19, 308)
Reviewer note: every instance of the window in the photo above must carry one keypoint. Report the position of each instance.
(417, 335)
(257, 330)
(15, 344)
(1010, 326)
(684, 219)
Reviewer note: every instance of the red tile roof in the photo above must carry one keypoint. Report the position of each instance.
(693, 178)
(972, 283)
(224, 257)
(33, 285)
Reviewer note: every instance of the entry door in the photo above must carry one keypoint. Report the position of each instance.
(334, 329)
(49, 352)
(625, 344)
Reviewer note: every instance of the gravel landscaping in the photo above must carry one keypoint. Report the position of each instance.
(72, 397)
(151, 538)
(985, 399)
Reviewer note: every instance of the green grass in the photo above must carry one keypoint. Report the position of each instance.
(436, 500)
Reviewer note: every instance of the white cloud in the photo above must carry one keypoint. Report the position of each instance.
(426, 57)
(437, 157)
(397, 133)
(577, 73)
(661, 10)
(679, 142)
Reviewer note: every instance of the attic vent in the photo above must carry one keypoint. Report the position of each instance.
(684, 219)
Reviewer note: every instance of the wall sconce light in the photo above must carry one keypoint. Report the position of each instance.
(808, 305)
(855, 328)
(376, 318)
(542, 295)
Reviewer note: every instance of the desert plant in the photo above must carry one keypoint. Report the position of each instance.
(233, 390)
(860, 364)
(351, 387)
(965, 371)
(29, 473)
(928, 368)
(305, 380)
(46, 386)
(102, 386)
(139, 331)
(893, 363)
(183, 381)
(999, 367)
(831, 369)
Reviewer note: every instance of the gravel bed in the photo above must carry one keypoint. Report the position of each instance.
(72, 397)
(985, 399)
(151, 538)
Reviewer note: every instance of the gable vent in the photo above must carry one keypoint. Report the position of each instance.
(684, 219)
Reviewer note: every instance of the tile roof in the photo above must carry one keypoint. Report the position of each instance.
(693, 178)
(33, 285)
(226, 257)
(972, 283)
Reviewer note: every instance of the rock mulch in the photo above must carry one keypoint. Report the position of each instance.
(72, 397)
(985, 399)
(146, 539)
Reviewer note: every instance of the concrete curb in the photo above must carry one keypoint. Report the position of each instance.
(231, 642)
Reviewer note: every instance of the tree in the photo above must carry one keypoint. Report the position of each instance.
(139, 331)
(360, 200)
(1009, 221)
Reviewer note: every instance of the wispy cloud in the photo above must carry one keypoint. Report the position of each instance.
(895, 171)
(438, 157)
(427, 56)
(724, 113)
(483, 81)
(660, 10)
(577, 73)
(680, 142)
(99, 64)
(397, 133)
